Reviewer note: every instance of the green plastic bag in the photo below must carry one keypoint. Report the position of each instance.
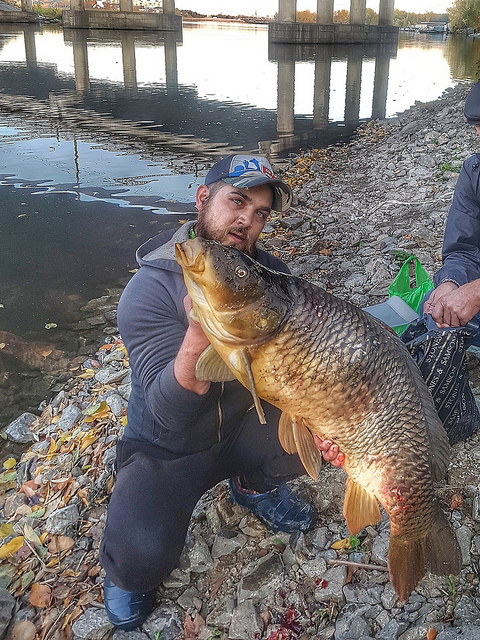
(413, 296)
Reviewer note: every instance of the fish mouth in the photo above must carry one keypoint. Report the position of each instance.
(190, 256)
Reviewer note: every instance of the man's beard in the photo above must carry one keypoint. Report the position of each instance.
(204, 230)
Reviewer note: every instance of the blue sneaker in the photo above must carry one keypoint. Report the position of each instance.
(281, 509)
(126, 609)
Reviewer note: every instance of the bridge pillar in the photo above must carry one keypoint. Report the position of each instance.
(169, 7)
(26, 5)
(321, 87)
(77, 5)
(287, 10)
(286, 98)
(325, 11)
(80, 62)
(126, 5)
(357, 11)
(385, 12)
(129, 62)
(353, 88)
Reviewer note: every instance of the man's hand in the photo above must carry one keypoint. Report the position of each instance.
(453, 306)
(330, 451)
(194, 344)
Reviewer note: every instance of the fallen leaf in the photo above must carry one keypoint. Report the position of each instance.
(23, 630)
(11, 547)
(51, 325)
(344, 543)
(456, 501)
(40, 595)
(432, 634)
(9, 463)
(60, 543)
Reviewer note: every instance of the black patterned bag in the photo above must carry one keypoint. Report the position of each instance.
(440, 354)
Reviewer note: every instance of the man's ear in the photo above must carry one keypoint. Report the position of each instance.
(202, 195)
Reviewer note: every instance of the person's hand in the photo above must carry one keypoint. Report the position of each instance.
(453, 306)
(194, 327)
(330, 451)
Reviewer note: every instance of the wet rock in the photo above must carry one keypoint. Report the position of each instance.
(70, 415)
(19, 429)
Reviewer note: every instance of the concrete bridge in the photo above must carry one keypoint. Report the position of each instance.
(286, 30)
(10, 13)
(77, 17)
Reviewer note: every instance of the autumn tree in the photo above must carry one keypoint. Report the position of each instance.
(342, 16)
(371, 16)
(464, 13)
(306, 16)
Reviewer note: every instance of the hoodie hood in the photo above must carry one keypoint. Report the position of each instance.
(159, 251)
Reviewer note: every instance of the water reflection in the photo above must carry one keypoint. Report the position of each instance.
(117, 78)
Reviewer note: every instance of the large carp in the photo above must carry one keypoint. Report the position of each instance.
(336, 372)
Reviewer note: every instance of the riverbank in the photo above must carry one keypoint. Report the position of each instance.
(359, 209)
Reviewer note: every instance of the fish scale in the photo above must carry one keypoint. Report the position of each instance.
(340, 374)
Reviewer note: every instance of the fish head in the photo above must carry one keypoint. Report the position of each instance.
(236, 299)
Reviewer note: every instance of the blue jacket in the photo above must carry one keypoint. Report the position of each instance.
(153, 322)
(461, 244)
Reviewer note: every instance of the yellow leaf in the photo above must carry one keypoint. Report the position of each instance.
(11, 547)
(2, 345)
(6, 530)
(51, 325)
(344, 543)
(10, 463)
(89, 373)
(31, 535)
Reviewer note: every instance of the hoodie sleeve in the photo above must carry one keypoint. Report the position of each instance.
(153, 322)
(461, 245)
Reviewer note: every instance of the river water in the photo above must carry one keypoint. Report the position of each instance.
(105, 136)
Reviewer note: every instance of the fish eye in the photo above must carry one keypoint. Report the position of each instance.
(241, 272)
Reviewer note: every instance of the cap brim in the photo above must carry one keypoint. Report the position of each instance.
(282, 192)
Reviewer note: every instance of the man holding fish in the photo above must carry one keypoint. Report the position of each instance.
(184, 434)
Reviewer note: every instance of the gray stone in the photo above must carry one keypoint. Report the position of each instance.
(261, 578)
(108, 375)
(362, 594)
(227, 542)
(70, 415)
(246, 623)
(350, 624)
(7, 602)
(92, 625)
(19, 429)
(314, 568)
(459, 633)
(332, 585)
(199, 557)
(389, 597)
(117, 404)
(380, 548)
(466, 613)
(464, 537)
(63, 520)
(166, 620)
(392, 630)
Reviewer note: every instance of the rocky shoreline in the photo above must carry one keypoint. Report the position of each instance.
(360, 209)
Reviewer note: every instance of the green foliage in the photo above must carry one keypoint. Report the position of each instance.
(48, 12)
(354, 543)
(404, 19)
(464, 14)
(448, 166)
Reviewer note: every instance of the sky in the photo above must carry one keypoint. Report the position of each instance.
(269, 7)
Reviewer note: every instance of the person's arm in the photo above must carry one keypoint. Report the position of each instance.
(156, 332)
(461, 244)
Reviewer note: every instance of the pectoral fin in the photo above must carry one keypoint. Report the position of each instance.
(241, 364)
(360, 508)
(295, 437)
(211, 367)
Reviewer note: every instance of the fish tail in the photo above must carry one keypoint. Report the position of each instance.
(437, 552)
(406, 564)
(443, 552)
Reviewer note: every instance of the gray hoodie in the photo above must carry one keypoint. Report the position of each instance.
(153, 322)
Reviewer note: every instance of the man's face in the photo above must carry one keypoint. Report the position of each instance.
(233, 216)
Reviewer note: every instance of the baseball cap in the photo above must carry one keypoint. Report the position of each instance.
(472, 105)
(247, 171)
